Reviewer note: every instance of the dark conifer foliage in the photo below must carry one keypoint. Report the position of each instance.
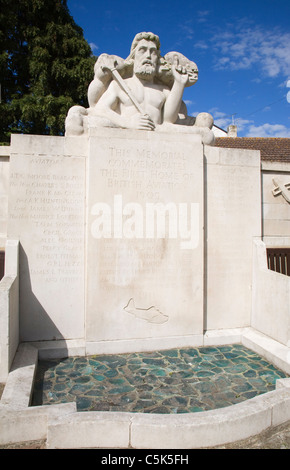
(46, 66)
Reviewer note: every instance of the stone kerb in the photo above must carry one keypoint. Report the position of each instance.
(63, 427)
(9, 309)
(18, 388)
(19, 421)
(151, 431)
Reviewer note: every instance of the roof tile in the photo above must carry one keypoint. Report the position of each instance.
(272, 148)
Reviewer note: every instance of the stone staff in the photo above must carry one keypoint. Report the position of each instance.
(124, 87)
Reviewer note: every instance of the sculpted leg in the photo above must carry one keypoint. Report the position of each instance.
(74, 123)
(202, 125)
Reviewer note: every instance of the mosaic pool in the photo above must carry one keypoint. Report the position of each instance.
(173, 381)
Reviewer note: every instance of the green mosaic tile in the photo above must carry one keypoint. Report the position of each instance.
(182, 380)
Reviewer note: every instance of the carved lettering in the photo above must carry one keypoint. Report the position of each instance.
(51, 205)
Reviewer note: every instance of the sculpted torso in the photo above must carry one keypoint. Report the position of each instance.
(150, 96)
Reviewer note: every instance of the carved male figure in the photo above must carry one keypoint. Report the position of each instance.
(158, 104)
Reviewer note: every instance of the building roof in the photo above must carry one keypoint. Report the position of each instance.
(272, 148)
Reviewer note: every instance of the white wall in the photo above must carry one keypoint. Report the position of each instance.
(232, 219)
(4, 186)
(271, 297)
(9, 309)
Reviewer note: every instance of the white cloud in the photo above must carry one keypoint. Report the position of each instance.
(269, 130)
(202, 16)
(188, 102)
(188, 31)
(222, 123)
(246, 47)
(256, 80)
(219, 114)
(246, 127)
(223, 120)
(242, 124)
(288, 94)
(93, 46)
(201, 45)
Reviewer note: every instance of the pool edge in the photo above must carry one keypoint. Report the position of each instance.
(63, 427)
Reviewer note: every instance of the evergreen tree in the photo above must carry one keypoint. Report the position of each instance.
(46, 66)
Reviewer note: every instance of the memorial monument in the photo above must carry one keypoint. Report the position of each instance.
(134, 232)
(128, 224)
(145, 204)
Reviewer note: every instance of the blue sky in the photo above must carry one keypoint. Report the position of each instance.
(242, 50)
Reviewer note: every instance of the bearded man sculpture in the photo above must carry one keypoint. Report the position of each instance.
(142, 92)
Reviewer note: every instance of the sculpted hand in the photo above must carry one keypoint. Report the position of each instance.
(141, 122)
(180, 73)
(106, 63)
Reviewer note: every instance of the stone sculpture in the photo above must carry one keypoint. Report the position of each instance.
(281, 189)
(142, 92)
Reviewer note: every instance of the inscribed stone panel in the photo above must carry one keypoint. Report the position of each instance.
(144, 271)
(47, 215)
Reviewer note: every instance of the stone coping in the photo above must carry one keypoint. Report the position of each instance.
(63, 427)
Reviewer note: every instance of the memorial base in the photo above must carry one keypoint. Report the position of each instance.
(132, 240)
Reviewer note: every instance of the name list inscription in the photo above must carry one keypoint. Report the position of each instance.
(48, 205)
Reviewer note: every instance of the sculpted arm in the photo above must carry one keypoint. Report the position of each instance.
(108, 104)
(174, 99)
(102, 77)
(95, 91)
(172, 104)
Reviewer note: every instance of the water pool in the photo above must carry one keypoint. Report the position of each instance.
(182, 380)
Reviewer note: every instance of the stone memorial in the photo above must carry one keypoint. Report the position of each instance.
(135, 232)
(145, 201)
(130, 226)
